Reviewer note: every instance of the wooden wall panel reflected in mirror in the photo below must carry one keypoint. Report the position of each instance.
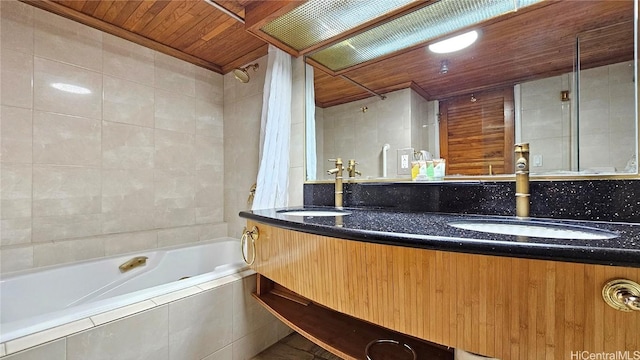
(531, 52)
(477, 132)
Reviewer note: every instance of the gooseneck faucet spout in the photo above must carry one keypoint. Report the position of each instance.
(523, 196)
(338, 172)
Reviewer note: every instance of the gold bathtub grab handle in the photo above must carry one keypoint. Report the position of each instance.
(246, 234)
(133, 263)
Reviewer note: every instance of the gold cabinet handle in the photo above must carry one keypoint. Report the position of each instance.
(246, 235)
(622, 294)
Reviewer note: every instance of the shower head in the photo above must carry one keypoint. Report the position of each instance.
(242, 74)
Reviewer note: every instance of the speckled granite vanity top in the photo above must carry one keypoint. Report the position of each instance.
(433, 231)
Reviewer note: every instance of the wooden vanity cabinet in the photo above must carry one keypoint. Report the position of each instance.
(508, 308)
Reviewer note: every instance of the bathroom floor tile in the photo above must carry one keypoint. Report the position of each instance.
(295, 347)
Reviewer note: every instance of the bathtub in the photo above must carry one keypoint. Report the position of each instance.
(36, 300)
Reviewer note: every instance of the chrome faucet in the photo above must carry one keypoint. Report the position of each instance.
(351, 169)
(523, 196)
(338, 172)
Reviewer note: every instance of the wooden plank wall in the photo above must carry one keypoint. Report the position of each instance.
(477, 130)
(502, 307)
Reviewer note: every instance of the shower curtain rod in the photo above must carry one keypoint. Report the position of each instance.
(381, 96)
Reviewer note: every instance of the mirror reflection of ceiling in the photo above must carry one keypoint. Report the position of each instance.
(537, 42)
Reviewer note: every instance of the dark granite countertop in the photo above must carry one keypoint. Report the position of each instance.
(430, 230)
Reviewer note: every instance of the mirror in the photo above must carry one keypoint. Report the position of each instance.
(578, 116)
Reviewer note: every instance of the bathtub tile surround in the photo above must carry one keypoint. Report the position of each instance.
(134, 161)
(47, 335)
(198, 325)
(56, 350)
(189, 324)
(598, 200)
(143, 336)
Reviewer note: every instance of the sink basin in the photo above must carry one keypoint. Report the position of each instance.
(552, 231)
(314, 212)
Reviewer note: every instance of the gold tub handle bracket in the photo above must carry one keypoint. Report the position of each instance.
(133, 263)
(246, 234)
(622, 294)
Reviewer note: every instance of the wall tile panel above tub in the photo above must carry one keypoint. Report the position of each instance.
(103, 166)
(129, 242)
(127, 190)
(15, 191)
(17, 79)
(177, 236)
(16, 258)
(127, 146)
(175, 112)
(50, 228)
(175, 150)
(67, 41)
(174, 75)
(127, 60)
(16, 26)
(128, 220)
(209, 118)
(139, 337)
(66, 140)
(65, 190)
(87, 103)
(16, 135)
(128, 102)
(15, 231)
(174, 189)
(60, 252)
(209, 86)
(199, 326)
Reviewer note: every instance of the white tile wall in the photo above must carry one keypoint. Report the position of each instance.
(349, 133)
(134, 163)
(242, 111)
(606, 124)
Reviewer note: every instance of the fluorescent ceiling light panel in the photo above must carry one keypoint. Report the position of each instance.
(74, 89)
(425, 24)
(318, 20)
(455, 43)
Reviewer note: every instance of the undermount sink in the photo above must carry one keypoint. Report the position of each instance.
(541, 230)
(314, 212)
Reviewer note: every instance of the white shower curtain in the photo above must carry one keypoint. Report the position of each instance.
(310, 124)
(275, 133)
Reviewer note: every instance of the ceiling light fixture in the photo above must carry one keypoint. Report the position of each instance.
(444, 67)
(74, 89)
(454, 43)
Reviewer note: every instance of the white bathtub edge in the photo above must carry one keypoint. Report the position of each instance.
(176, 295)
(41, 337)
(122, 312)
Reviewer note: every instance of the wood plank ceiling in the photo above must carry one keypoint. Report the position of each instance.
(533, 44)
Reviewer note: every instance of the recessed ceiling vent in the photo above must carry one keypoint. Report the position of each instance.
(318, 20)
